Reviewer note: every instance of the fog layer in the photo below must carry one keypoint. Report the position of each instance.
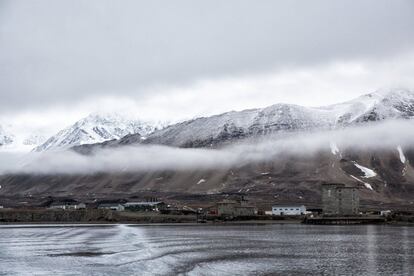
(380, 136)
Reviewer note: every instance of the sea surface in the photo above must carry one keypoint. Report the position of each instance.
(206, 250)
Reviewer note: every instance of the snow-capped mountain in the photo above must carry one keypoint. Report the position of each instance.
(96, 128)
(218, 129)
(6, 138)
(12, 139)
(34, 140)
(385, 175)
(380, 105)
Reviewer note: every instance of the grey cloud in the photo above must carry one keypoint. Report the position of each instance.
(54, 51)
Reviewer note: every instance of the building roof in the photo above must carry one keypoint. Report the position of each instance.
(288, 206)
(109, 205)
(340, 185)
(64, 203)
(227, 201)
(144, 203)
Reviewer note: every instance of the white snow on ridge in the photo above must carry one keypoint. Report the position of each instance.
(355, 108)
(367, 185)
(368, 172)
(402, 156)
(280, 118)
(201, 181)
(95, 128)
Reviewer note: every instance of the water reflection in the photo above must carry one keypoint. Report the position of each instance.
(371, 246)
(406, 259)
(207, 250)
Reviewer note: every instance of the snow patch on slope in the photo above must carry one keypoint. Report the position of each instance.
(367, 185)
(402, 156)
(334, 148)
(368, 172)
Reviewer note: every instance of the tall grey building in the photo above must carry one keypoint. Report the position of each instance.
(338, 199)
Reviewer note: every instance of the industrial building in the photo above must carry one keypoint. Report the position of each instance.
(340, 200)
(235, 208)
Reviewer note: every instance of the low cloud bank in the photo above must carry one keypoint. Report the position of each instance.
(380, 136)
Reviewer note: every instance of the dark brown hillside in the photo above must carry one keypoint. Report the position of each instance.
(292, 179)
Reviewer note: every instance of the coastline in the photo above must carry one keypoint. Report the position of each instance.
(210, 223)
(94, 217)
(103, 224)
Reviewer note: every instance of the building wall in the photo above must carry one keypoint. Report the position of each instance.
(245, 211)
(80, 206)
(145, 206)
(69, 206)
(225, 209)
(235, 209)
(288, 210)
(118, 207)
(340, 200)
(330, 199)
(348, 201)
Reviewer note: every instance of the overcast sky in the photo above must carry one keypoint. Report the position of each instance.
(171, 60)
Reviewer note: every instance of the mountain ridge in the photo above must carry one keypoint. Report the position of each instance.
(235, 125)
(95, 128)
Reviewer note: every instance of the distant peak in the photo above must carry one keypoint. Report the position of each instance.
(393, 92)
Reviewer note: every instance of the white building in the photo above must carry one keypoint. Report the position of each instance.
(386, 213)
(112, 206)
(288, 210)
(68, 205)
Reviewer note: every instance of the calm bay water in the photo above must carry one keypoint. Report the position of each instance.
(207, 250)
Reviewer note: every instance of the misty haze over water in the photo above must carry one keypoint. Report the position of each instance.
(206, 250)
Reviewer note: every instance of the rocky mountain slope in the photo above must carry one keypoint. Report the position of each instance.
(384, 177)
(95, 128)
